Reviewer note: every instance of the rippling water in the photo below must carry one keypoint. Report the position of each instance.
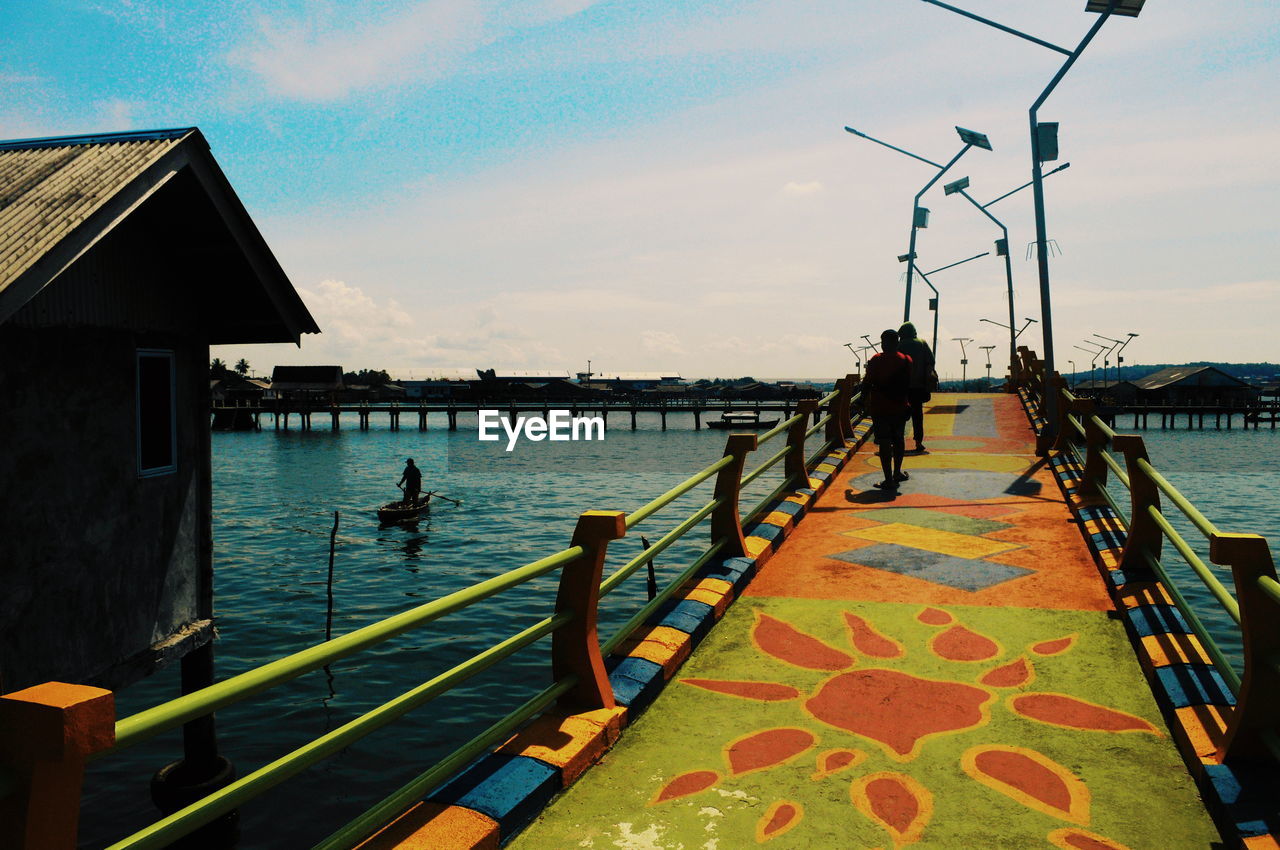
(274, 498)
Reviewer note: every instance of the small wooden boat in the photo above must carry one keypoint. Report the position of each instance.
(743, 420)
(401, 511)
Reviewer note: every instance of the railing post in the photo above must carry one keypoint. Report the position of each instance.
(46, 734)
(575, 646)
(1056, 384)
(1143, 535)
(794, 466)
(1257, 709)
(726, 523)
(1095, 469)
(838, 424)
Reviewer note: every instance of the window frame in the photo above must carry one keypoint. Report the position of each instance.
(168, 355)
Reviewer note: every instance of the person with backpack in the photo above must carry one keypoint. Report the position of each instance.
(923, 378)
(887, 381)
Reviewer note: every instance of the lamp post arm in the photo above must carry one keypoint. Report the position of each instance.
(1008, 277)
(915, 205)
(891, 147)
(1001, 27)
(936, 310)
(957, 263)
(1042, 239)
(983, 207)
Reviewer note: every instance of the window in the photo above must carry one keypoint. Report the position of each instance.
(157, 413)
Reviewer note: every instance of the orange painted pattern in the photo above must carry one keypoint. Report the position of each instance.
(788, 644)
(1072, 713)
(767, 748)
(1030, 778)
(895, 801)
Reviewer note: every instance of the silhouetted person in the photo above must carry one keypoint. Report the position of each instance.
(921, 378)
(412, 481)
(887, 381)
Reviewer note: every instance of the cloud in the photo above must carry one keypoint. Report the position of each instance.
(319, 58)
(330, 52)
(661, 342)
(792, 188)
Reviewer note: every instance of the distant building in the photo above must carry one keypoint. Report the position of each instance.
(307, 383)
(123, 257)
(1194, 385)
(439, 384)
(1121, 392)
(629, 382)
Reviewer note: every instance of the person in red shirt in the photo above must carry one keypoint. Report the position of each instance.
(885, 386)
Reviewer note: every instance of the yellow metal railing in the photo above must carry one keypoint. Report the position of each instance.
(1254, 606)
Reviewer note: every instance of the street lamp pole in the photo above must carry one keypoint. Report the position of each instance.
(853, 351)
(1044, 147)
(964, 362)
(988, 348)
(936, 300)
(920, 215)
(1093, 365)
(1073, 371)
(1107, 356)
(1002, 248)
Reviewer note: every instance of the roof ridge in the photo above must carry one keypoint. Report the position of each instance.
(96, 138)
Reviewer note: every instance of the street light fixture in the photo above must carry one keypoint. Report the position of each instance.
(1073, 371)
(1093, 364)
(964, 362)
(988, 348)
(1002, 249)
(1043, 148)
(1114, 344)
(854, 352)
(920, 215)
(1029, 321)
(936, 299)
(870, 344)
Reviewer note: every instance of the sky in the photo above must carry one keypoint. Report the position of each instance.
(669, 186)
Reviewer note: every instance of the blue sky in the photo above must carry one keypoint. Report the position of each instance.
(667, 185)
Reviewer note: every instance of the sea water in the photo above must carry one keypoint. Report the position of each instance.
(275, 495)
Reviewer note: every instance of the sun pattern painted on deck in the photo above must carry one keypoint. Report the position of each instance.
(933, 668)
(899, 711)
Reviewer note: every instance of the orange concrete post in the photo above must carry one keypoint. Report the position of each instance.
(1095, 441)
(838, 424)
(1058, 386)
(575, 646)
(793, 465)
(1143, 536)
(46, 734)
(726, 523)
(1257, 712)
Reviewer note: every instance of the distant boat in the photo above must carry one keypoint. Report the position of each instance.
(401, 511)
(747, 419)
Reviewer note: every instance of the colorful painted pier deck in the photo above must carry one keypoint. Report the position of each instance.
(943, 667)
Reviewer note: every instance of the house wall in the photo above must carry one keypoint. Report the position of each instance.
(99, 565)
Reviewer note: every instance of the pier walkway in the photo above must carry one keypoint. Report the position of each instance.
(941, 667)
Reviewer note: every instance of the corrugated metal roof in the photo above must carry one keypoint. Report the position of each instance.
(1180, 374)
(48, 187)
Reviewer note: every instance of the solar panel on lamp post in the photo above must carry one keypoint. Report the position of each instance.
(1044, 147)
(920, 215)
(1002, 249)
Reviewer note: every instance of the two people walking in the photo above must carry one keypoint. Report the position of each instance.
(896, 387)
